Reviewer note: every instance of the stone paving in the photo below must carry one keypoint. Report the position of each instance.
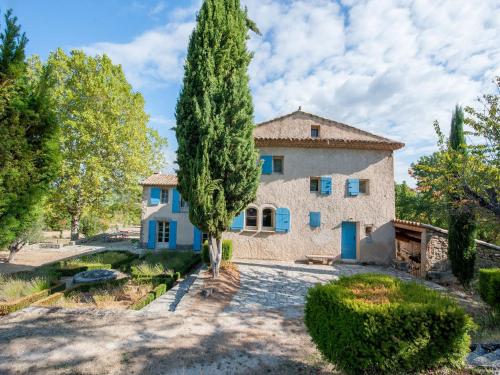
(279, 285)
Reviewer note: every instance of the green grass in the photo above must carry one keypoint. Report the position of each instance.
(176, 261)
(108, 257)
(24, 284)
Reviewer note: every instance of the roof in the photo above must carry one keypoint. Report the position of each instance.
(417, 225)
(293, 129)
(159, 179)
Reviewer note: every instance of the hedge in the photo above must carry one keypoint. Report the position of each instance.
(489, 286)
(63, 270)
(227, 251)
(372, 323)
(21, 303)
(150, 297)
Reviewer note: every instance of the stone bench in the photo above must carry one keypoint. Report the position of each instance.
(324, 259)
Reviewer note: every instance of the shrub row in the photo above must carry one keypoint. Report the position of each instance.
(63, 269)
(374, 323)
(150, 297)
(489, 286)
(9, 307)
(227, 251)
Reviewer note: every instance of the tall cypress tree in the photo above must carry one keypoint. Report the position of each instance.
(218, 170)
(461, 220)
(28, 140)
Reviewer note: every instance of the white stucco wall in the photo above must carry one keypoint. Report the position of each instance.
(185, 233)
(291, 190)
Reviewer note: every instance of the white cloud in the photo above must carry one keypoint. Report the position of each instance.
(387, 66)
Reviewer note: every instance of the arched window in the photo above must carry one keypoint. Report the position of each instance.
(268, 218)
(251, 218)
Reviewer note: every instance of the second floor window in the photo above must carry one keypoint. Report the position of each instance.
(314, 131)
(164, 196)
(363, 187)
(251, 217)
(184, 206)
(268, 218)
(277, 164)
(314, 184)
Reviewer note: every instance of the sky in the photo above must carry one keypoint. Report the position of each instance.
(390, 67)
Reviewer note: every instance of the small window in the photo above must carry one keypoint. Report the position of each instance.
(368, 230)
(163, 231)
(314, 184)
(268, 218)
(164, 196)
(251, 218)
(363, 186)
(278, 164)
(314, 131)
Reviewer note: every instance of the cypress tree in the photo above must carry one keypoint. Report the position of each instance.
(28, 140)
(218, 171)
(462, 222)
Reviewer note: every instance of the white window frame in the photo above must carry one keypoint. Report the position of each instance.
(163, 231)
(245, 216)
(282, 158)
(272, 228)
(162, 191)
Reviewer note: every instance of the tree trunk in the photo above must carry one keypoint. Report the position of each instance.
(218, 258)
(14, 249)
(211, 250)
(75, 227)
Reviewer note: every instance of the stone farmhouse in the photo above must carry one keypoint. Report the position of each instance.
(326, 189)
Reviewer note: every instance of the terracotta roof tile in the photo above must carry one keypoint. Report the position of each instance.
(328, 143)
(159, 179)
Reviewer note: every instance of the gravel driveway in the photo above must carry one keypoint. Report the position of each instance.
(258, 330)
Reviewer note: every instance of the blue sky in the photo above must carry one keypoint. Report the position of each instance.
(391, 67)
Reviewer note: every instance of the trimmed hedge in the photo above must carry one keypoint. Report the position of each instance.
(21, 303)
(489, 286)
(63, 269)
(372, 323)
(150, 297)
(227, 251)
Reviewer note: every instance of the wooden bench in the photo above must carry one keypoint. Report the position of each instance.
(324, 259)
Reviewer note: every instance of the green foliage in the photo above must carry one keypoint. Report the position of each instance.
(489, 286)
(104, 260)
(462, 244)
(177, 261)
(90, 225)
(144, 269)
(457, 135)
(9, 307)
(28, 140)
(151, 296)
(227, 251)
(106, 144)
(371, 323)
(218, 170)
(24, 284)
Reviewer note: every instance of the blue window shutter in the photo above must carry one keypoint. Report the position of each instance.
(172, 235)
(154, 197)
(267, 164)
(282, 220)
(238, 221)
(315, 219)
(151, 234)
(353, 186)
(196, 239)
(176, 201)
(326, 185)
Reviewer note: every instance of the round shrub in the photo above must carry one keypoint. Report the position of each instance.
(227, 251)
(372, 323)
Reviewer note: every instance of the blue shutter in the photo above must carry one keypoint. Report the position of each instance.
(282, 220)
(353, 186)
(267, 164)
(315, 219)
(172, 235)
(176, 201)
(151, 234)
(196, 239)
(237, 223)
(326, 185)
(154, 197)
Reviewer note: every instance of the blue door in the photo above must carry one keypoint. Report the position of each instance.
(348, 246)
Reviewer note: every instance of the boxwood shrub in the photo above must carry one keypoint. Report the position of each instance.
(489, 286)
(150, 297)
(21, 303)
(227, 251)
(372, 323)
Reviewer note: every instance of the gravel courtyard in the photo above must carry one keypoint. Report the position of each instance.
(253, 324)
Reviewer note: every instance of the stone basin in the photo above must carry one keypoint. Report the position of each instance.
(94, 275)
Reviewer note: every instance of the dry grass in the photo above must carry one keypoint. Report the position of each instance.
(111, 297)
(376, 294)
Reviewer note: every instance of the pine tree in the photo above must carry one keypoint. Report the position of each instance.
(461, 220)
(28, 140)
(218, 170)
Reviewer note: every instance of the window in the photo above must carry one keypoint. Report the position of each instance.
(315, 131)
(268, 218)
(314, 184)
(363, 186)
(277, 164)
(368, 230)
(251, 218)
(184, 205)
(163, 231)
(164, 196)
